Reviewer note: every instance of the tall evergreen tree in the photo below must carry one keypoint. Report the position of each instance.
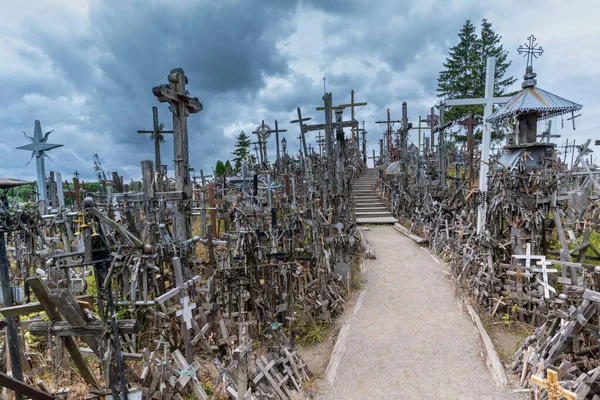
(220, 168)
(464, 73)
(241, 150)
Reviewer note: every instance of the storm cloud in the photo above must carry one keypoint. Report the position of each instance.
(86, 68)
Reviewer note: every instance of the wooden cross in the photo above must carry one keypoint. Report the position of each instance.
(186, 311)
(181, 103)
(180, 286)
(301, 121)
(277, 131)
(352, 105)
(389, 123)
(488, 101)
(419, 128)
(470, 122)
(544, 271)
(156, 136)
(555, 391)
(213, 212)
(573, 116)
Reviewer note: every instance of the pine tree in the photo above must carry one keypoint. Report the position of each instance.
(242, 148)
(228, 170)
(220, 168)
(464, 74)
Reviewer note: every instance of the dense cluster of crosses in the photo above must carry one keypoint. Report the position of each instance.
(153, 281)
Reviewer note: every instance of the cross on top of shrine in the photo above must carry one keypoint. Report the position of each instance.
(530, 50)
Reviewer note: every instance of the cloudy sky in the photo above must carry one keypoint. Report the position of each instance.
(86, 68)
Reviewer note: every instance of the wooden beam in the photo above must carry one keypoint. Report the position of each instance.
(22, 388)
(41, 292)
(63, 328)
(29, 308)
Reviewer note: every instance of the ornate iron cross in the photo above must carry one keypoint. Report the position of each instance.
(530, 50)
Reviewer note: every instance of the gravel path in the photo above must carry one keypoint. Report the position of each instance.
(407, 338)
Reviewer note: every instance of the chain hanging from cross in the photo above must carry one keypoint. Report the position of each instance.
(530, 50)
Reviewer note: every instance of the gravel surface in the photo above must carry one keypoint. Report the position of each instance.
(409, 339)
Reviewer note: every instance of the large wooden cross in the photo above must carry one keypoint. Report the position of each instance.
(389, 123)
(213, 212)
(351, 105)
(277, 132)
(488, 101)
(555, 391)
(470, 122)
(181, 103)
(156, 135)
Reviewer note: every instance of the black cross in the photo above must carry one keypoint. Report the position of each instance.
(76, 174)
(530, 50)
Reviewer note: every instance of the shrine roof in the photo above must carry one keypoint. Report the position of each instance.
(535, 99)
(6, 183)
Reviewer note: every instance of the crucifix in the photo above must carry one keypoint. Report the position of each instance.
(263, 132)
(470, 122)
(555, 391)
(181, 104)
(403, 132)
(389, 123)
(277, 131)
(38, 148)
(419, 128)
(488, 101)
(156, 135)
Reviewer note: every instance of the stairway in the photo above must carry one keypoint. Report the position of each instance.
(368, 208)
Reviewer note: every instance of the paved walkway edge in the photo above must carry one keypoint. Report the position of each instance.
(493, 361)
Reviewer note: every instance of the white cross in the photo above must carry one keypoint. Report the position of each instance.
(488, 101)
(547, 288)
(528, 257)
(186, 311)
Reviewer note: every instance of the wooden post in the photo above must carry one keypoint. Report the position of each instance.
(12, 330)
(77, 190)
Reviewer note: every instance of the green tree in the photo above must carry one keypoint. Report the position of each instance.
(228, 169)
(464, 73)
(241, 150)
(220, 168)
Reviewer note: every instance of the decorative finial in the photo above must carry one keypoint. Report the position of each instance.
(530, 50)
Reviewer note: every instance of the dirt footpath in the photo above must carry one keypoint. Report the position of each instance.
(407, 338)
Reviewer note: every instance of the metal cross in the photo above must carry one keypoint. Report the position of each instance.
(76, 174)
(38, 148)
(156, 135)
(530, 50)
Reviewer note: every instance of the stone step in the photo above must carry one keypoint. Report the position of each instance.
(376, 220)
(370, 208)
(372, 214)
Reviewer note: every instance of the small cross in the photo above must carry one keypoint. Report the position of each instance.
(555, 391)
(186, 311)
(547, 288)
(530, 50)
(573, 116)
(76, 174)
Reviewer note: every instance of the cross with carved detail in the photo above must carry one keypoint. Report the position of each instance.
(555, 391)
